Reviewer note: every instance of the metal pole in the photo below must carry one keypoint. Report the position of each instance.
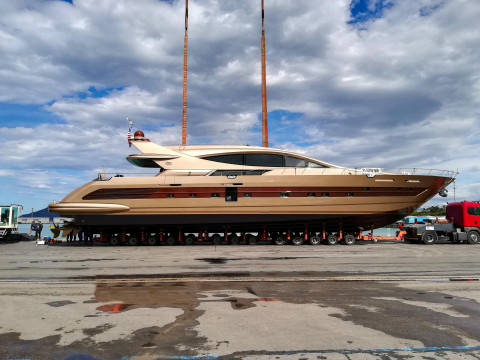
(264, 87)
(185, 55)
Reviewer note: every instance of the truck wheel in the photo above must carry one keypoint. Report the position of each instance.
(152, 241)
(217, 240)
(297, 240)
(332, 240)
(252, 240)
(314, 240)
(473, 237)
(234, 240)
(190, 239)
(429, 237)
(133, 241)
(279, 240)
(349, 239)
(114, 241)
(170, 241)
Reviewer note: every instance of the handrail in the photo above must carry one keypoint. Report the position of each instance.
(424, 171)
(107, 176)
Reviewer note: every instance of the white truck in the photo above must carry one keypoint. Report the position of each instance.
(8, 219)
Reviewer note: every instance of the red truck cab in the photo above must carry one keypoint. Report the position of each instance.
(464, 214)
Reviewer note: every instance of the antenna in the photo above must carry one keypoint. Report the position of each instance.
(185, 55)
(264, 87)
(454, 188)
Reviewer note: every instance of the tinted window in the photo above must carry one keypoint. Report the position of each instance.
(148, 163)
(315, 165)
(473, 211)
(264, 160)
(291, 161)
(236, 159)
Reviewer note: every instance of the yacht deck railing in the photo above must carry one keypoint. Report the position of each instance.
(371, 172)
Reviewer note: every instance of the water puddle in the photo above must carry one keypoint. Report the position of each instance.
(57, 261)
(221, 260)
(114, 308)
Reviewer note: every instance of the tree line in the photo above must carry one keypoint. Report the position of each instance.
(431, 211)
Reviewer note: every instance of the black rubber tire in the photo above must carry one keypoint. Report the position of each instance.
(315, 240)
(297, 240)
(429, 237)
(189, 239)
(251, 240)
(349, 239)
(332, 239)
(216, 239)
(279, 240)
(170, 241)
(234, 240)
(152, 241)
(114, 241)
(133, 241)
(473, 237)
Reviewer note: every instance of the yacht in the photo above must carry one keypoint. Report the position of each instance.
(244, 189)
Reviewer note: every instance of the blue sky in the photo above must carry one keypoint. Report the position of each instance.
(377, 83)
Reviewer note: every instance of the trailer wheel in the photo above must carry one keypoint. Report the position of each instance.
(152, 241)
(473, 237)
(297, 240)
(170, 241)
(349, 239)
(217, 240)
(252, 240)
(279, 240)
(190, 239)
(133, 241)
(429, 237)
(332, 240)
(114, 241)
(315, 240)
(234, 240)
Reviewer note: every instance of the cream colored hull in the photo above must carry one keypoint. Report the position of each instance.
(356, 200)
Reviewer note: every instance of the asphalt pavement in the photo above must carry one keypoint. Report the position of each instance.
(367, 301)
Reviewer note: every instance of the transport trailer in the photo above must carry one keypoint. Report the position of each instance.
(462, 225)
(294, 236)
(8, 220)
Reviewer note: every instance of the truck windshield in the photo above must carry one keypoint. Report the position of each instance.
(4, 216)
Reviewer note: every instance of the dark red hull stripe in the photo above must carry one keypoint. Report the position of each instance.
(206, 192)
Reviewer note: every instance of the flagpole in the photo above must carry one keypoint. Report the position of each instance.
(185, 55)
(264, 87)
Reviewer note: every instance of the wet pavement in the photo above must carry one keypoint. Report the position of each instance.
(382, 301)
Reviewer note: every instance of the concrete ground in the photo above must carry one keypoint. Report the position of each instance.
(368, 301)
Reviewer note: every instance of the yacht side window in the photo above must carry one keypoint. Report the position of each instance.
(235, 159)
(315, 165)
(291, 161)
(272, 160)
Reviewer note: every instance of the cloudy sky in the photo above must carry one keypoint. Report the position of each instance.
(359, 83)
